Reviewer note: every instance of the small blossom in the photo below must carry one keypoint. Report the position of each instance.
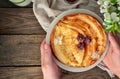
(107, 16)
(106, 6)
(107, 2)
(103, 10)
(118, 2)
(118, 8)
(114, 17)
(111, 12)
(100, 2)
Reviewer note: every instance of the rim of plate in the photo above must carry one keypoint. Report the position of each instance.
(55, 21)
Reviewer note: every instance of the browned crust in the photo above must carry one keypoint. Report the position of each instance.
(84, 20)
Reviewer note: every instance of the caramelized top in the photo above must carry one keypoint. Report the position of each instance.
(76, 38)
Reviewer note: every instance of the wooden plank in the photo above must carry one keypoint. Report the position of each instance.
(20, 49)
(95, 73)
(23, 50)
(19, 21)
(20, 73)
(36, 73)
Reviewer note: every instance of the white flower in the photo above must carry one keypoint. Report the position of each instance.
(114, 17)
(107, 17)
(105, 6)
(118, 8)
(107, 2)
(102, 9)
(100, 2)
(118, 2)
(111, 14)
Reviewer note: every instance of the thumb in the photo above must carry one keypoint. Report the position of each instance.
(114, 43)
(48, 53)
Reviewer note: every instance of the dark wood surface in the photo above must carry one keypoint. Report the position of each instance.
(36, 73)
(20, 49)
(20, 38)
(19, 21)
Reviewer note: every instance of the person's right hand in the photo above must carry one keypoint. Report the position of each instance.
(112, 59)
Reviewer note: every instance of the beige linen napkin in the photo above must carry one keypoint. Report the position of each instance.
(46, 10)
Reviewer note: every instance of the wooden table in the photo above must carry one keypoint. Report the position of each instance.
(20, 38)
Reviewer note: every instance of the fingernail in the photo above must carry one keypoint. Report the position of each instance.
(46, 46)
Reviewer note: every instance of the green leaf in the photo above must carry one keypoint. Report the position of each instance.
(107, 23)
(16, 1)
(117, 11)
(118, 30)
(109, 29)
(113, 1)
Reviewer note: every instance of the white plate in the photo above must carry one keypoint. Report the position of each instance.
(55, 21)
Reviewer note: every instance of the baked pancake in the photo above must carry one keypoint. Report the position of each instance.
(78, 40)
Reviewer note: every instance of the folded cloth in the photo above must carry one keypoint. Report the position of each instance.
(46, 10)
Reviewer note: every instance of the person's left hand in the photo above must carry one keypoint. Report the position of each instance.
(49, 68)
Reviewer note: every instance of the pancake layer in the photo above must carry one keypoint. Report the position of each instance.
(78, 40)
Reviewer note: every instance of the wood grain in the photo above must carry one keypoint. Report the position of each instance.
(18, 50)
(36, 73)
(20, 73)
(20, 38)
(19, 21)
(95, 73)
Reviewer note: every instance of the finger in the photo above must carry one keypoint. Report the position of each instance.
(42, 51)
(48, 53)
(42, 47)
(42, 44)
(108, 54)
(109, 50)
(113, 42)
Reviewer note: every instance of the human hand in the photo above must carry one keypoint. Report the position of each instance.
(112, 59)
(49, 68)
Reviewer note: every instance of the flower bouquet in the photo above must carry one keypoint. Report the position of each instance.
(111, 12)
